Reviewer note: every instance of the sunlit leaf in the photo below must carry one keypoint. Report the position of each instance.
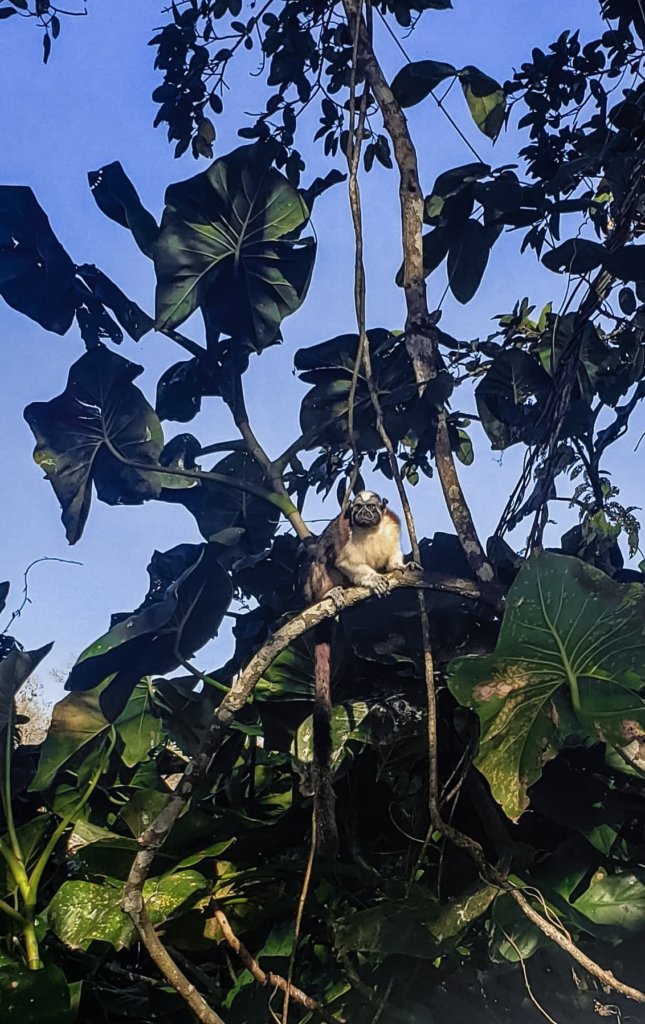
(569, 660)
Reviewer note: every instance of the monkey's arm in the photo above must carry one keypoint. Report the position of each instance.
(361, 574)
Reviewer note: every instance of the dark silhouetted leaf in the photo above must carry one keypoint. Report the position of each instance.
(15, 670)
(417, 79)
(36, 274)
(100, 413)
(508, 398)
(188, 596)
(228, 244)
(627, 262)
(219, 506)
(35, 997)
(117, 198)
(131, 317)
(467, 258)
(576, 256)
(627, 301)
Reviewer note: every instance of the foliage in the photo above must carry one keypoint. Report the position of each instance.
(541, 720)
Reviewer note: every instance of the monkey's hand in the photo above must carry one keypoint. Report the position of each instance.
(413, 567)
(367, 577)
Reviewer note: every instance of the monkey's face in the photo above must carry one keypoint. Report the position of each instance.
(366, 509)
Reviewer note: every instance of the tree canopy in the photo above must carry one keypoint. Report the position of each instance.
(489, 712)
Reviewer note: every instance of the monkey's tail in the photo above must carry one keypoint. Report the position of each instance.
(324, 796)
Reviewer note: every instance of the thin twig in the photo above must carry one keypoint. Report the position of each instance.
(267, 978)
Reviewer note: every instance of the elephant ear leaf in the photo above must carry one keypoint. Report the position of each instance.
(229, 244)
(36, 274)
(101, 431)
(568, 664)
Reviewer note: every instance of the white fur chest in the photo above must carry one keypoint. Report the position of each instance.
(375, 546)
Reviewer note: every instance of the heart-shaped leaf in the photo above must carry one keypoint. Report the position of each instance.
(569, 661)
(89, 433)
(36, 274)
(229, 244)
(329, 366)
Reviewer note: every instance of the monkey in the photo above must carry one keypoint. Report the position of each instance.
(356, 548)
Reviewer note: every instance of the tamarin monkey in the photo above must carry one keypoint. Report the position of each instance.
(355, 549)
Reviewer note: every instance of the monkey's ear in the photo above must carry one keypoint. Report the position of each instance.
(384, 502)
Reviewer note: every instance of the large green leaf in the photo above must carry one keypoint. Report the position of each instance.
(417, 79)
(139, 726)
(87, 434)
(615, 900)
(568, 662)
(117, 197)
(228, 244)
(188, 596)
(36, 274)
(510, 398)
(485, 99)
(35, 997)
(83, 912)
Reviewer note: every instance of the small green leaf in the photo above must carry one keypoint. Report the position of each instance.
(417, 79)
(616, 900)
(485, 99)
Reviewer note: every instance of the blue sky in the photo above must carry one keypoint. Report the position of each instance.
(92, 105)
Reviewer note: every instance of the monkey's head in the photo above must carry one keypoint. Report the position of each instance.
(366, 509)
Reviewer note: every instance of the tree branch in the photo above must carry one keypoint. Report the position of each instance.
(153, 837)
(420, 334)
(266, 978)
